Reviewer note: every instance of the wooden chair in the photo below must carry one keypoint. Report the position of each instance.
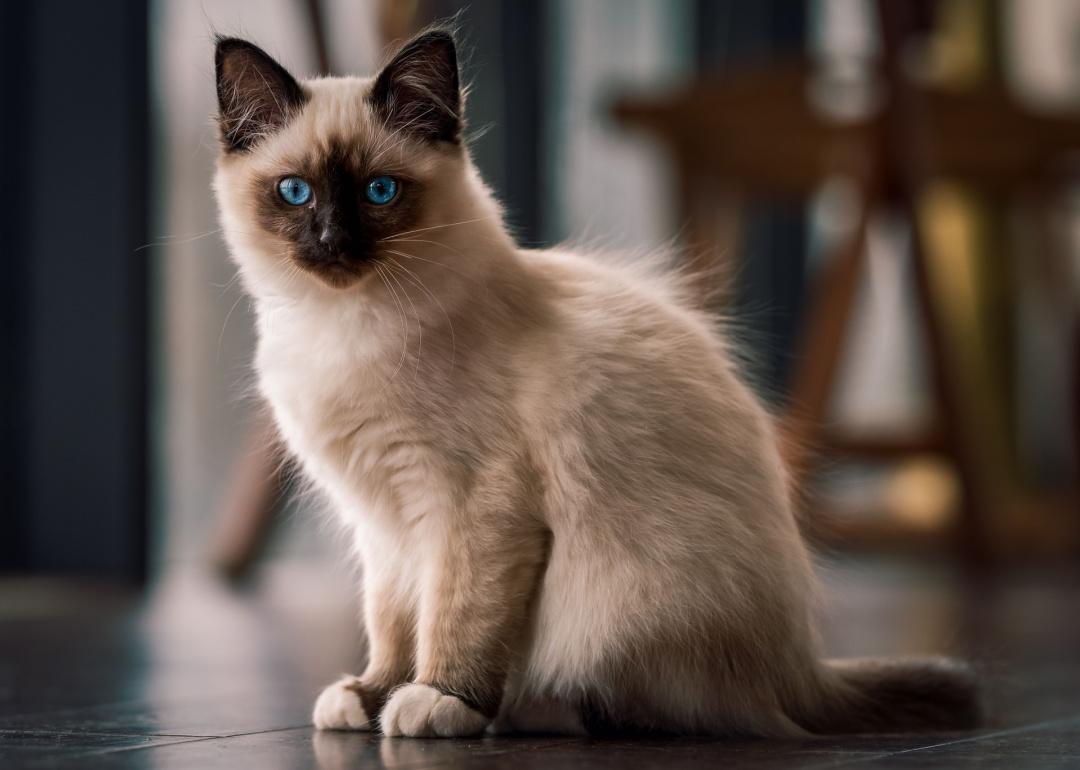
(759, 133)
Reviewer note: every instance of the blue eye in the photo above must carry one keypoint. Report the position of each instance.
(294, 191)
(381, 190)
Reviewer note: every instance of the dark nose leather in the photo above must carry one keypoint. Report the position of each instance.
(334, 238)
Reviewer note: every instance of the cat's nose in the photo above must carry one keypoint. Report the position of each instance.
(334, 238)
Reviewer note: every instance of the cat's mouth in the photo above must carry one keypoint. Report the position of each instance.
(339, 272)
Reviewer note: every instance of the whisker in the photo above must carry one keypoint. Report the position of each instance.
(224, 326)
(180, 240)
(172, 240)
(292, 274)
(449, 322)
(419, 323)
(238, 274)
(430, 261)
(404, 326)
(433, 243)
(437, 227)
(224, 287)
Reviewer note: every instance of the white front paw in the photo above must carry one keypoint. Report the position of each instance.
(338, 707)
(420, 711)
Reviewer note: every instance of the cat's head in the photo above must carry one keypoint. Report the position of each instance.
(317, 178)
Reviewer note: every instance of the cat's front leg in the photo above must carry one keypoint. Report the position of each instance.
(474, 608)
(356, 702)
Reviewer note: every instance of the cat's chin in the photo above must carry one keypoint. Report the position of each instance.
(337, 275)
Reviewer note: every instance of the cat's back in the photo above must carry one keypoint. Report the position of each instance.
(640, 373)
(620, 317)
(645, 378)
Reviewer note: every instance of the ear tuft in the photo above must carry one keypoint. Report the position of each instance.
(256, 95)
(419, 91)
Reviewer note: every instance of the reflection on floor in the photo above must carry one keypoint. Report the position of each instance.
(196, 675)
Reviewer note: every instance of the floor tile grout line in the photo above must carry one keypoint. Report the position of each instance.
(863, 757)
(109, 733)
(196, 739)
(1020, 730)
(55, 711)
(144, 747)
(102, 733)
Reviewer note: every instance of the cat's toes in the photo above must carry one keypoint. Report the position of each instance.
(338, 707)
(420, 711)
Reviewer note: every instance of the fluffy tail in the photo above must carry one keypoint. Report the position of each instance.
(894, 696)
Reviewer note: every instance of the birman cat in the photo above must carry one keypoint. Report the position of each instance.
(571, 513)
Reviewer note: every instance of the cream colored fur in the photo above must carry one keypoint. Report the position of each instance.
(558, 487)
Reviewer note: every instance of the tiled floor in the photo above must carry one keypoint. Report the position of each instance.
(199, 676)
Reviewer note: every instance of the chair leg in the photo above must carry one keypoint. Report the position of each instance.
(826, 327)
(247, 517)
(972, 535)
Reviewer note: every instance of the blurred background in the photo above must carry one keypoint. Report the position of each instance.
(881, 197)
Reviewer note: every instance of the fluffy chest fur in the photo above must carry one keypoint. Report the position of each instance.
(334, 380)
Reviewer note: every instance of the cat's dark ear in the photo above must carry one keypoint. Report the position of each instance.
(419, 92)
(256, 95)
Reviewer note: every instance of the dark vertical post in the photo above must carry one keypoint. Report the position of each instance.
(13, 138)
(523, 32)
(81, 348)
(503, 60)
(771, 272)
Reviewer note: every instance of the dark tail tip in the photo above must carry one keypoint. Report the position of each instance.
(906, 695)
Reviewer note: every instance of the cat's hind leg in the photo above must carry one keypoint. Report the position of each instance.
(540, 716)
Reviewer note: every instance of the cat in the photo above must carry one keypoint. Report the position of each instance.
(571, 513)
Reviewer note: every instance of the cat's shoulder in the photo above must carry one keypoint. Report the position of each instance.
(639, 280)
